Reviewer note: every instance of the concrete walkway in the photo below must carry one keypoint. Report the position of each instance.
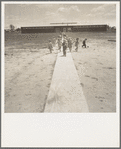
(65, 94)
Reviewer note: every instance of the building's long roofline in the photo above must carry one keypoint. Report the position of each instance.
(63, 25)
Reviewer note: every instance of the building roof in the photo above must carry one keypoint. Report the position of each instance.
(59, 25)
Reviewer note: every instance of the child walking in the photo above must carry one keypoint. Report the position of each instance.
(77, 44)
(84, 43)
(50, 46)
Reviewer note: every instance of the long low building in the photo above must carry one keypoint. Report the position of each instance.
(74, 28)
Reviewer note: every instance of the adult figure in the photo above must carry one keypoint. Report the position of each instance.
(77, 44)
(64, 47)
(59, 44)
(70, 43)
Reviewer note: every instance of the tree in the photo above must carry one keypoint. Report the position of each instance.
(18, 29)
(12, 27)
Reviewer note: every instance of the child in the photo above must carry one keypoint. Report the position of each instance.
(50, 46)
(59, 44)
(70, 43)
(84, 43)
(60, 36)
(64, 35)
(77, 44)
(54, 41)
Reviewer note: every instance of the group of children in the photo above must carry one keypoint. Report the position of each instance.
(66, 43)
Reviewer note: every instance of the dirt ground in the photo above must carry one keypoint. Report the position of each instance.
(29, 68)
(28, 72)
(96, 67)
(27, 80)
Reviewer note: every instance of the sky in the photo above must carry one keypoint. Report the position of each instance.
(21, 15)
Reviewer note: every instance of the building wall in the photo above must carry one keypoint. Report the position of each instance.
(89, 28)
(37, 30)
(52, 29)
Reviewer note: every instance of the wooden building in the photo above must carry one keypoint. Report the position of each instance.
(66, 28)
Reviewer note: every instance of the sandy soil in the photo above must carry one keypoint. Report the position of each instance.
(96, 67)
(28, 71)
(27, 79)
(29, 68)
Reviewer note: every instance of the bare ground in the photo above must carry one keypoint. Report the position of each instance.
(29, 69)
(96, 67)
(28, 76)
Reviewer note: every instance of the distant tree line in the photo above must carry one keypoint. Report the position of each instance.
(13, 29)
(113, 28)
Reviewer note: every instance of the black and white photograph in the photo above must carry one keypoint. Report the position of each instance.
(60, 57)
